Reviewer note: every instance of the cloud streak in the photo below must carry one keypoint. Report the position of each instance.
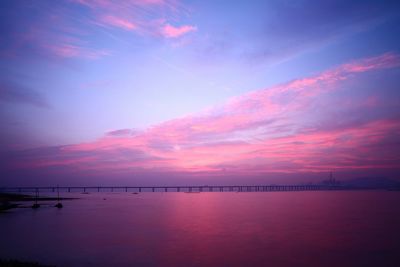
(71, 29)
(16, 94)
(170, 31)
(148, 18)
(281, 129)
(294, 28)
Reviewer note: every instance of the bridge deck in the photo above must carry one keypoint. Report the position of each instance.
(194, 188)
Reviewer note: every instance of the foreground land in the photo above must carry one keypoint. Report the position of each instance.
(10, 201)
(15, 263)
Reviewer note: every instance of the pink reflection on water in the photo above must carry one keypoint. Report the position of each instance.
(210, 229)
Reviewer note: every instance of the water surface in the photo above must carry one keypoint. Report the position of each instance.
(340, 228)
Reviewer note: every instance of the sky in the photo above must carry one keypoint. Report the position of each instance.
(134, 92)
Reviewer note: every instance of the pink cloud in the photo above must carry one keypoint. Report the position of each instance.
(387, 60)
(170, 31)
(269, 130)
(56, 35)
(119, 22)
(110, 3)
(151, 2)
(67, 50)
(133, 16)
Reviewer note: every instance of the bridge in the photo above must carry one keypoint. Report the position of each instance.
(187, 189)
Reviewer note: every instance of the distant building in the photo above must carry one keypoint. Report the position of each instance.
(331, 180)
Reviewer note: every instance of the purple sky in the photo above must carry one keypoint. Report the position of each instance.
(165, 91)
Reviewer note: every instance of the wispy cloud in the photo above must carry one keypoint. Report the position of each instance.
(122, 132)
(148, 17)
(14, 93)
(170, 31)
(119, 22)
(71, 29)
(74, 51)
(286, 29)
(276, 129)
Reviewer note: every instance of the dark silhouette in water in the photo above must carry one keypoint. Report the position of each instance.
(11, 201)
(6, 205)
(36, 205)
(58, 205)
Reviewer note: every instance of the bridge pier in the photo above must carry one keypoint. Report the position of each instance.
(218, 188)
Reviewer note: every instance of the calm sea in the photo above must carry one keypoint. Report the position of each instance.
(209, 229)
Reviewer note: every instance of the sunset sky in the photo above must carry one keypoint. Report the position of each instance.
(166, 91)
